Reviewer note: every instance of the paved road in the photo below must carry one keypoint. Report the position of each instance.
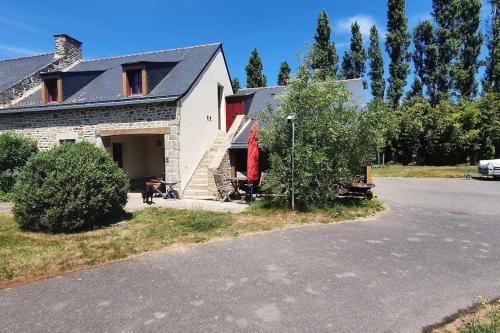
(437, 248)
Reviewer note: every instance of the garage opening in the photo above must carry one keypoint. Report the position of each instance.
(142, 156)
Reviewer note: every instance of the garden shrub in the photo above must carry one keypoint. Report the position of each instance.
(15, 150)
(72, 187)
(333, 140)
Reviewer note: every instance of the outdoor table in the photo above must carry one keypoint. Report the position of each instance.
(170, 192)
(234, 181)
(248, 193)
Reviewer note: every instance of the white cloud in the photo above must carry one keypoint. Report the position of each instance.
(20, 25)
(15, 50)
(365, 23)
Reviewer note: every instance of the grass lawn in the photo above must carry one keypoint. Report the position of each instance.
(423, 171)
(483, 317)
(27, 256)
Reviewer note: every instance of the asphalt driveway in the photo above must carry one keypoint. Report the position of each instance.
(437, 247)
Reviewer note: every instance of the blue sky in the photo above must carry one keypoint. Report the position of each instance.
(278, 29)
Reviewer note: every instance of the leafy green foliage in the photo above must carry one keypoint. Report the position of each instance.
(447, 134)
(397, 44)
(333, 141)
(324, 54)
(376, 65)
(235, 84)
(254, 68)
(491, 80)
(69, 188)
(284, 74)
(15, 150)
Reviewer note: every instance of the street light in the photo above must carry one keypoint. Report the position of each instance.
(291, 119)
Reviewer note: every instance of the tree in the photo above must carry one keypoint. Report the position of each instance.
(353, 64)
(445, 12)
(255, 77)
(235, 83)
(324, 53)
(284, 74)
(332, 144)
(425, 58)
(416, 91)
(471, 40)
(72, 187)
(376, 65)
(397, 44)
(347, 67)
(491, 81)
(15, 151)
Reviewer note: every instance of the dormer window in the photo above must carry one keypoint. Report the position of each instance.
(52, 90)
(135, 80)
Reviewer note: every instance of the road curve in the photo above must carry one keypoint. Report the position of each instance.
(435, 249)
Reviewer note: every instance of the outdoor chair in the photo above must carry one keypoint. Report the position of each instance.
(224, 188)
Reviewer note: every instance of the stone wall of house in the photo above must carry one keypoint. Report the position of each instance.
(48, 127)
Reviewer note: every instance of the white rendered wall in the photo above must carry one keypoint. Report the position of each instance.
(197, 132)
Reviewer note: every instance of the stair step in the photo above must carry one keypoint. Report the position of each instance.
(191, 193)
(199, 197)
(198, 188)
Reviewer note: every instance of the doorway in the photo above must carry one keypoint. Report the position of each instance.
(118, 153)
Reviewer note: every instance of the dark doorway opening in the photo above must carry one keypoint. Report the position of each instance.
(118, 153)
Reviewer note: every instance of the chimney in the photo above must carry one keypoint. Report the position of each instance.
(67, 47)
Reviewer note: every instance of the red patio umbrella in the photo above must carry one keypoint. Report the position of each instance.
(253, 154)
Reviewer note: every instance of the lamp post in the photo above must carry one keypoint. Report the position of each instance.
(291, 119)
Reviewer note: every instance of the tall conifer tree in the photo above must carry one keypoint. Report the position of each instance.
(324, 53)
(491, 81)
(353, 62)
(445, 12)
(471, 40)
(284, 74)
(347, 67)
(397, 44)
(358, 53)
(235, 83)
(376, 65)
(254, 69)
(425, 57)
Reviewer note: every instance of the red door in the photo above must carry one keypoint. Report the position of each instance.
(233, 109)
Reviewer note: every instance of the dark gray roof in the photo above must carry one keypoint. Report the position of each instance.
(14, 70)
(259, 98)
(184, 67)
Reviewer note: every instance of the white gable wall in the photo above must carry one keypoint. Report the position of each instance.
(198, 116)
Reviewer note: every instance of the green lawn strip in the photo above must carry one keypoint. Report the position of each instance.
(27, 256)
(482, 317)
(423, 171)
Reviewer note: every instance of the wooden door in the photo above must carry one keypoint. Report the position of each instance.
(233, 109)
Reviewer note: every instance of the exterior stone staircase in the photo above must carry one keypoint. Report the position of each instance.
(202, 185)
(198, 186)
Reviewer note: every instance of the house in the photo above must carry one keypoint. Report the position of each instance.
(250, 102)
(157, 113)
(169, 113)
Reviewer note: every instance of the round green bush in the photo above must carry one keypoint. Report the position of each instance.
(15, 150)
(72, 187)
